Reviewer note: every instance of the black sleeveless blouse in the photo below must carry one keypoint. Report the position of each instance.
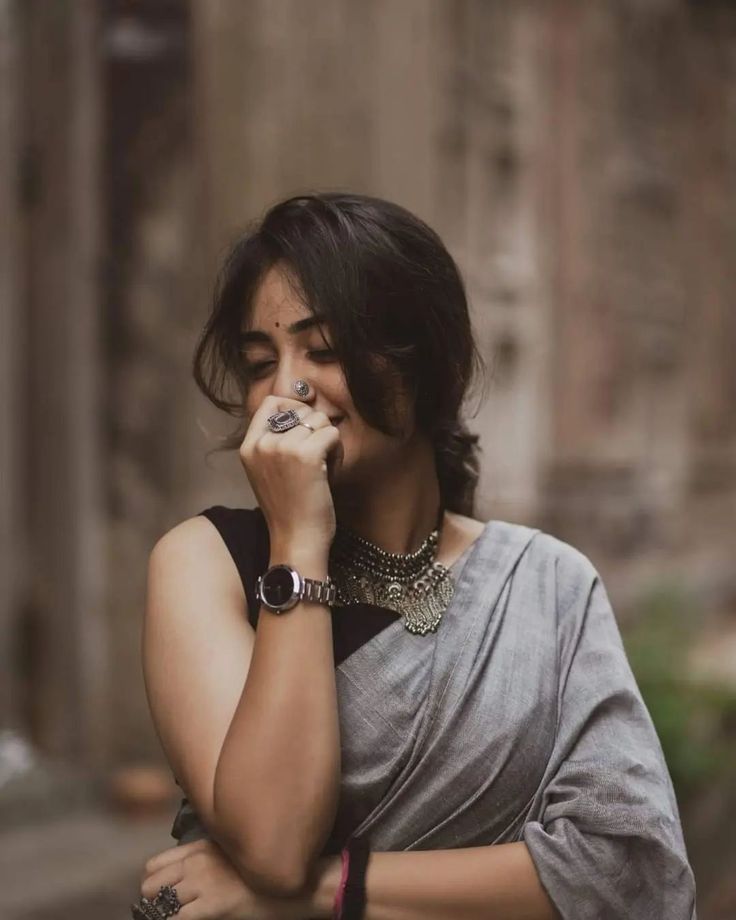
(245, 533)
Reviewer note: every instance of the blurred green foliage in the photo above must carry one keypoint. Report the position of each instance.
(695, 720)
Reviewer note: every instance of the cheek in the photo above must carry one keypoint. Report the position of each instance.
(251, 403)
(335, 389)
(256, 393)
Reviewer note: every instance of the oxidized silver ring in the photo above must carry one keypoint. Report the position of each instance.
(165, 904)
(301, 388)
(283, 421)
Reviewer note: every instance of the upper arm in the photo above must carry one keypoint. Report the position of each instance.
(196, 646)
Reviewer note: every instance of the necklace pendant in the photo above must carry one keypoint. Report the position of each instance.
(389, 594)
(411, 584)
(425, 607)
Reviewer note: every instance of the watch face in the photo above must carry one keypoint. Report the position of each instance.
(278, 586)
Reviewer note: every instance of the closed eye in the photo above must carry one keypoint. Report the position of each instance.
(258, 369)
(322, 354)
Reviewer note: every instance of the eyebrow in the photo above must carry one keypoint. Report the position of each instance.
(257, 335)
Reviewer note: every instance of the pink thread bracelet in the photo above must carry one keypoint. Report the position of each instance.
(340, 893)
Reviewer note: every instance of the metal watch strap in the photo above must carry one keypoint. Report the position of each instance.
(321, 592)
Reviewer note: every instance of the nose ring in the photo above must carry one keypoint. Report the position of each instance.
(301, 388)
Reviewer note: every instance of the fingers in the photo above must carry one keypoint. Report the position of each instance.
(308, 445)
(170, 875)
(309, 421)
(175, 855)
(285, 440)
(167, 868)
(314, 420)
(323, 448)
(320, 441)
(269, 406)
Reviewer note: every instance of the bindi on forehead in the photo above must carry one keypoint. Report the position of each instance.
(301, 325)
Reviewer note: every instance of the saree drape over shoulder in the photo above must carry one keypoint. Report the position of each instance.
(519, 719)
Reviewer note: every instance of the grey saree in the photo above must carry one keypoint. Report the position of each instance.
(519, 719)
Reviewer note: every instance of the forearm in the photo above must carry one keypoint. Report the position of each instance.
(477, 883)
(277, 778)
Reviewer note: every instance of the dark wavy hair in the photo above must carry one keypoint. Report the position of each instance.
(389, 290)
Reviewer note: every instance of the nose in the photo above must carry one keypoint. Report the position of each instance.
(291, 384)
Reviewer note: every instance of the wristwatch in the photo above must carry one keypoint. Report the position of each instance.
(281, 587)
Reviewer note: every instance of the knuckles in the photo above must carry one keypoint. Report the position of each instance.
(299, 451)
(196, 861)
(195, 855)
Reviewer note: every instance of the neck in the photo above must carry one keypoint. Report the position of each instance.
(397, 508)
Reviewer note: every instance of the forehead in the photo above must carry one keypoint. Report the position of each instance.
(276, 300)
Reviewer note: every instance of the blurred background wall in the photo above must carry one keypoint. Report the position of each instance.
(579, 160)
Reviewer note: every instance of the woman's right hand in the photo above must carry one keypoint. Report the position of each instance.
(289, 473)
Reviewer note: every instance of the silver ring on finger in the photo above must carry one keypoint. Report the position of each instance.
(283, 421)
(165, 904)
(307, 425)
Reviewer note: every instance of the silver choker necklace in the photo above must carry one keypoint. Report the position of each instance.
(411, 584)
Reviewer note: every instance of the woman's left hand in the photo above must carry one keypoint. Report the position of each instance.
(209, 887)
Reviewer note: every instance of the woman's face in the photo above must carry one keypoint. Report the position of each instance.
(282, 342)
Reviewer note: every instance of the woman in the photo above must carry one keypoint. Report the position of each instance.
(446, 723)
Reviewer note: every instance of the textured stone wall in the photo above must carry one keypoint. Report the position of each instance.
(644, 219)
(53, 502)
(577, 158)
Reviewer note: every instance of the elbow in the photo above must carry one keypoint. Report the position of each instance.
(269, 870)
(281, 885)
(275, 878)
(269, 866)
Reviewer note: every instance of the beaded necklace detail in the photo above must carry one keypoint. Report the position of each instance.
(411, 584)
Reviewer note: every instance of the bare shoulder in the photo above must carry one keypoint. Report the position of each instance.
(194, 548)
